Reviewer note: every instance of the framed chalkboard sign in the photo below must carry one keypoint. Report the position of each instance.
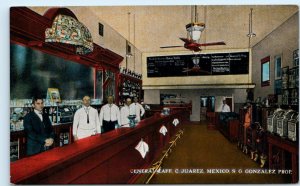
(198, 65)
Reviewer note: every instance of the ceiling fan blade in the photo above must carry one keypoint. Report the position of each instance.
(185, 40)
(212, 43)
(171, 46)
(186, 70)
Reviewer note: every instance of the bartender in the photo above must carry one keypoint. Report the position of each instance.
(86, 121)
(139, 110)
(126, 110)
(109, 115)
(38, 128)
(225, 107)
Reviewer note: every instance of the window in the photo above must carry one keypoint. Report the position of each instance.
(265, 71)
(277, 65)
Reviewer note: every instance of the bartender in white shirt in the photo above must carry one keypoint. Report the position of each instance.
(225, 107)
(138, 108)
(125, 112)
(109, 115)
(86, 121)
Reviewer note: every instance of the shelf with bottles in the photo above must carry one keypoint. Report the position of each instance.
(17, 115)
(290, 86)
(59, 113)
(64, 139)
(130, 73)
(14, 150)
(129, 87)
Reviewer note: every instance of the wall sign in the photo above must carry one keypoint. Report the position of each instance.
(198, 65)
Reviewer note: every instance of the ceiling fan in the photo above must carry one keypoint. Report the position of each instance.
(194, 30)
(194, 46)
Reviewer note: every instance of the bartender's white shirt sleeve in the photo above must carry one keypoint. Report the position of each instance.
(75, 123)
(101, 116)
(98, 124)
(142, 109)
(118, 115)
(227, 108)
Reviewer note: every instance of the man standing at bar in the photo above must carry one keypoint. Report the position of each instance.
(38, 128)
(109, 115)
(225, 107)
(225, 112)
(125, 112)
(86, 121)
(139, 110)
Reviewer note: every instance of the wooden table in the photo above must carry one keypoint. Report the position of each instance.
(291, 147)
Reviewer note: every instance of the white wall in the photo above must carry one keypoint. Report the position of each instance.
(282, 41)
(153, 96)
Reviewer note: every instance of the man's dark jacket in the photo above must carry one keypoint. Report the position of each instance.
(37, 132)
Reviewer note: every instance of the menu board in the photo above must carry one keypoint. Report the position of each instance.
(198, 65)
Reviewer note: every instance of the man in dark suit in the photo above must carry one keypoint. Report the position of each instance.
(38, 128)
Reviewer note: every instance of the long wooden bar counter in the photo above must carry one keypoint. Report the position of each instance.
(103, 158)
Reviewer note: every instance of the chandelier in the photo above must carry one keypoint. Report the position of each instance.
(66, 29)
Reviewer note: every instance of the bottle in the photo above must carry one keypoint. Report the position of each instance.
(61, 139)
(14, 117)
(66, 138)
(58, 116)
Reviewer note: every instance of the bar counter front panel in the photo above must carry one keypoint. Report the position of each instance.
(103, 158)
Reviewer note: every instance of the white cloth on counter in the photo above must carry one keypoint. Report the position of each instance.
(175, 122)
(163, 130)
(143, 148)
(109, 112)
(81, 128)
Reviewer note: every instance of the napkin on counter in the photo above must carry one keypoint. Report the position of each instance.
(143, 148)
(175, 122)
(163, 130)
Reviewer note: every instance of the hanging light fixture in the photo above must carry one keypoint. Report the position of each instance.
(251, 33)
(194, 29)
(134, 42)
(66, 29)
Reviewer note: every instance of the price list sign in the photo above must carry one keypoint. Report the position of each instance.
(198, 65)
